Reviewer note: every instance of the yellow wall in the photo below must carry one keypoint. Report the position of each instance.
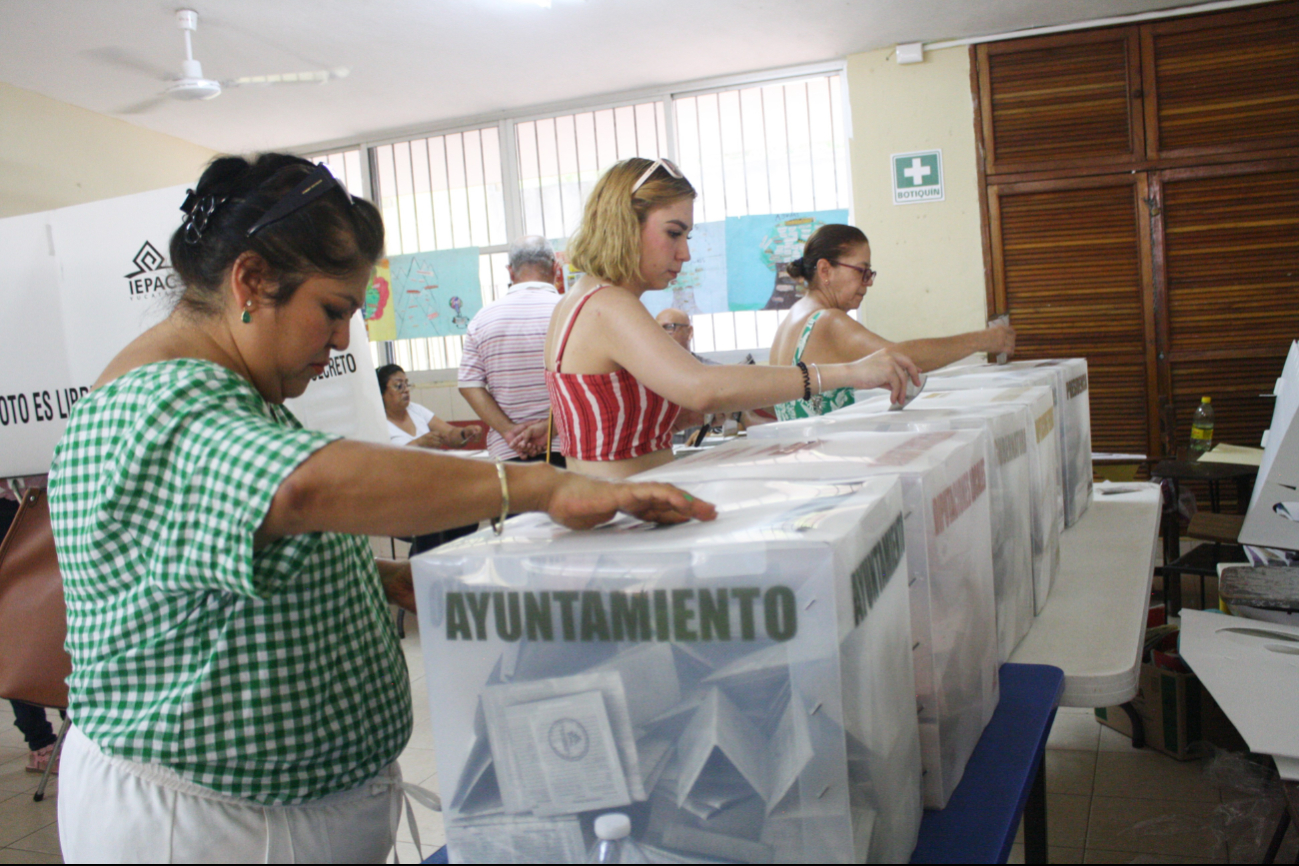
(53, 154)
(929, 255)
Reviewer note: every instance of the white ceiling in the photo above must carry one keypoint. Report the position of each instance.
(417, 62)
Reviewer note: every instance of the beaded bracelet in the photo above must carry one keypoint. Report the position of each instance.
(807, 381)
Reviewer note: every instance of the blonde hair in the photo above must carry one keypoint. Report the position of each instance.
(607, 243)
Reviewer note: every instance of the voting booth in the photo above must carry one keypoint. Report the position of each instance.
(86, 281)
(742, 689)
(944, 477)
(1067, 378)
(1010, 430)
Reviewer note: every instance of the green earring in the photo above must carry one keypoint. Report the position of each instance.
(247, 317)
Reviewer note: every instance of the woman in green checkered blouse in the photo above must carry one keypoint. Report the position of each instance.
(237, 688)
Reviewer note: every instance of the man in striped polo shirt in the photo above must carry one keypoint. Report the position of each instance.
(503, 371)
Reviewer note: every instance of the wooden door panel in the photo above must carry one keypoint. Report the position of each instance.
(1070, 272)
(1231, 278)
(1221, 83)
(1232, 259)
(1057, 102)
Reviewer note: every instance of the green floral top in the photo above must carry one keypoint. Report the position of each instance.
(820, 404)
(274, 674)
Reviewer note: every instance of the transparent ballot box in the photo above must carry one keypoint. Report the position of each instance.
(1044, 464)
(742, 689)
(944, 478)
(1010, 485)
(1067, 378)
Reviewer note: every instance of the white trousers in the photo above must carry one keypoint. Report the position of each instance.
(117, 811)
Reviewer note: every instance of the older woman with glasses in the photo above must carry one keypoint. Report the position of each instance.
(835, 272)
(410, 423)
(237, 689)
(617, 380)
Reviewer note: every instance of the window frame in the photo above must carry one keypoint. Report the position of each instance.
(506, 121)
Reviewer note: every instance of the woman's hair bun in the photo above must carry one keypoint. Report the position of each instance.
(795, 269)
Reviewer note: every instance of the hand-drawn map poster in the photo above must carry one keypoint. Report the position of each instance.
(433, 294)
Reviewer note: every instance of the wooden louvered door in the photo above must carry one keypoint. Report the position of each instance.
(1229, 237)
(1072, 266)
(1061, 102)
(1140, 187)
(1232, 87)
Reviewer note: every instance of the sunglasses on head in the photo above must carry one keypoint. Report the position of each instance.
(312, 187)
(665, 164)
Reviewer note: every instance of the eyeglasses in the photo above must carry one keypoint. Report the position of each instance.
(673, 327)
(399, 385)
(866, 273)
(312, 187)
(665, 164)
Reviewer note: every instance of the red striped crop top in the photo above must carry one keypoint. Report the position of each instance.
(606, 416)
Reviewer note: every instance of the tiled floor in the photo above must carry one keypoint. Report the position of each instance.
(1106, 802)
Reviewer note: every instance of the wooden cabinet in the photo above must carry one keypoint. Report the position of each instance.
(1140, 187)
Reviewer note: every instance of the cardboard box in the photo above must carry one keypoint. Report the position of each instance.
(742, 689)
(1067, 377)
(1180, 717)
(948, 525)
(1008, 455)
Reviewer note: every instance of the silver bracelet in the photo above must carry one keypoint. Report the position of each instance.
(499, 526)
(819, 388)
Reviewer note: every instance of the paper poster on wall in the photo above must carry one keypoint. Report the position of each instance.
(565, 274)
(380, 320)
(757, 250)
(701, 285)
(435, 293)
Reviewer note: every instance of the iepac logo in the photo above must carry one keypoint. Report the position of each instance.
(152, 274)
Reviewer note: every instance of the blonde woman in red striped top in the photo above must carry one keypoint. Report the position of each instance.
(616, 379)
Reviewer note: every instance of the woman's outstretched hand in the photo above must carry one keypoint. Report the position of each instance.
(580, 502)
(886, 368)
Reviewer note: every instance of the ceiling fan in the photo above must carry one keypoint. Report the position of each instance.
(191, 84)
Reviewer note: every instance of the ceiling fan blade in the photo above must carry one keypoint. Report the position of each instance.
(128, 61)
(143, 107)
(319, 76)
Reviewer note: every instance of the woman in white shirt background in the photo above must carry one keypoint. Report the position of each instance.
(410, 423)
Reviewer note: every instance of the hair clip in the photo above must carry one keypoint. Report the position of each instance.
(200, 210)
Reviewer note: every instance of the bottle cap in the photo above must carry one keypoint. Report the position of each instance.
(614, 825)
(1205, 400)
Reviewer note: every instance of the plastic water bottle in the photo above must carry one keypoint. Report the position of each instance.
(1202, 428)
(611, 832)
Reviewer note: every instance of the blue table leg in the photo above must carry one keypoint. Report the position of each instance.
(1035, 818)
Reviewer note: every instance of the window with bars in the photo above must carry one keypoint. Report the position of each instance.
(773, 147)
(345, 165)
(439, 193)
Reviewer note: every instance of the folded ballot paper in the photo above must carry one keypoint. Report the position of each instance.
(948, 529)
(1044, 463)
(1067, 378)
(1008, 455)
(742, 689)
